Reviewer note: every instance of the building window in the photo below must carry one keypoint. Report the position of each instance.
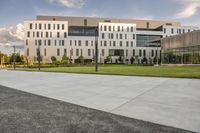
(28, 34)
(58, 34)
(127, 29)
(27, 51)
(144, 53)
(31, 26)
(148, 25)
(133, 52)
(120, 44)
(65, 35)
(45, 42)
(77, 52)
(65, 51)
(49, 42)
(40, 26)
(38, 34)
(49, 26)
(133, 36)
(105, 28)
(45, 52)
(45, 26)
(92, 43)
(131, 43)
(89, 52)
(47, 34)
(33, 34)
(86, 43)
(26, 42)
(109, 28)
(103, 35)
(164, 30)
(39, 42)
(85, 22)
(58, 52)
(36, 26)
(63, 26)
(121, 36)
(152, 53)
(41, 34)
(105, 43)
(79, 43)
(63, 42)
(183, 30)
(112, 36)
(127, 44)
(132, 29)
(140, 52)
(114, 43)
(54, 26)
(117, 36)
(55, 42)
(172, 31)
(103, 52)
(75, 42)
(35, 42)
(58, 27)
(127, 52)
(70, 42)
(118, 28)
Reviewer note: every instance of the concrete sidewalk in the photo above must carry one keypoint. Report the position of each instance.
(166, 101)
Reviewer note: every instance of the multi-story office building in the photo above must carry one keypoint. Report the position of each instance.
(75, 36)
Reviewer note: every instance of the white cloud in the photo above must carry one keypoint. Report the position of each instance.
(189, 10)
(11, 35)
(70, 3)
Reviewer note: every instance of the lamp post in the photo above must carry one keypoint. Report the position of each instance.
(14, 58)
(38, 57)
(96, 50)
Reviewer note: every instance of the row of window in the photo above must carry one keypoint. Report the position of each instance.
(45, 34)
(91, 52)
(178, 31)
(117, 28)
(46, 26)
(117, 36)
(79, 43)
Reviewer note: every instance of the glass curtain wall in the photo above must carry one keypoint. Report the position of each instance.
(187, 55)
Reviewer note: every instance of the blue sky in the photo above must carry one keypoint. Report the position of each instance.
(14, 12)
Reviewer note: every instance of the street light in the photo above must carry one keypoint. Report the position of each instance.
(14, 58)
(39, 57)
(96, 50)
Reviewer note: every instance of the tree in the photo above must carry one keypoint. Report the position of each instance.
(65, 60)
(80, 59)
(16, 56)
(132, 60)
(53, 59)
(144, 60)
(23, 59)
(121, 59)
(108, 59)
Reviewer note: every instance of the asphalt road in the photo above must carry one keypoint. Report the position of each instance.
(22, 112)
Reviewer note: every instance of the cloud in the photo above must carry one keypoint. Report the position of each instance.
(189, 10)
(11, 35)
(70, 3)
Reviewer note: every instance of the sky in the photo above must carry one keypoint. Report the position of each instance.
(14, 12)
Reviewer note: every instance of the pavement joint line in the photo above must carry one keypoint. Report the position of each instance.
(134, 98)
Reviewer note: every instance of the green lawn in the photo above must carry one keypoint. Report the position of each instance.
(128, 70)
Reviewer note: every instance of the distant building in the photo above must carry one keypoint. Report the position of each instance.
(181, 49)
(75, 36)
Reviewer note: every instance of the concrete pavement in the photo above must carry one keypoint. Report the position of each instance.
(166, 101)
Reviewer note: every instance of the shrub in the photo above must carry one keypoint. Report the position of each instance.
(53, 59)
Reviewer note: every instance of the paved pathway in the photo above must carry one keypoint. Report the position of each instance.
(166, 101)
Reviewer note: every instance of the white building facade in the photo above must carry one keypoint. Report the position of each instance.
(75, 37)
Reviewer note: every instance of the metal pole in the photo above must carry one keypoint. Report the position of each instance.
(14, 58)
(39, 57)
(157, 54)
(96, 50)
